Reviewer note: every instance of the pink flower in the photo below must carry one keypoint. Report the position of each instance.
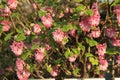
(72, 58)
(116, 42)
(101, 49)
(47, 20)
(118, 59)
(55, 72)
(103, 64)
(2, 71)
(117, 11)
(95, 19)
(39, 55)
(58, 35)
(23, 75)
(47, 47)
(84, 25)
(12, 4)
(34, 6)
(27, 32)
(10, 68)
(36, 28)
(17, 47)
(5, 12)
(95, 33)
(72, 32)
(20, 64)
(6, 25)
(110, 32)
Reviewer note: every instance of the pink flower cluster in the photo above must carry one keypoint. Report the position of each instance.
(110, 32)
(101, 50)
(6, 25)
(55, 72)
(36, 28)
(116, 41)
(58, 35)
(95, 33)
(94, 20)
(118, 59)
(17, 48)
(5, 12)
(103, 64)
(73, 58)
(12, 4)
(22, 74)
(47, 20)
(117, 11)
(39, 54)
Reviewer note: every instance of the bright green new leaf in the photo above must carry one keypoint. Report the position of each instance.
(8, 36)
(66, 28)
(88, 55)
(76, 71)
(91, 42)
(20, 37)
(41, 13)
(34, 46)
(93, 61)
(24, 56)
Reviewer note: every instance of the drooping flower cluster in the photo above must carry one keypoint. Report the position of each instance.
(103, 64)
(110, 32)
(94, 20)
(118, 59)
(36, 28)
(95, 33)
(12, 4)
(58, 35)
(5, 12)
(116, 42)
(54, 72)
(17, 48)
(47, 20)
(117, 11)
(73, 58)
(21, 72)
(101, 50)
(6, 25)
(40, 54)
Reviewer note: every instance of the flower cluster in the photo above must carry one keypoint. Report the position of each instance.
(21, 72)
(103, 64)
(17, 47)
(94, 20)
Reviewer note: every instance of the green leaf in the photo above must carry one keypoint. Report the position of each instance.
(32, 67)
(93, 61)
(88, 55)
(49, 68)
(8, 36)
(68, 53)
(24, 56)
(110, 51)
(15, 14)
(76, 50)
(34, 46)
(80, 8)
(81, 47)
(20, 37)
(76, 71)
(65, 40)
(91, 42)
(41, 13)
(1, 28)
(89, 12)
(66, 28)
